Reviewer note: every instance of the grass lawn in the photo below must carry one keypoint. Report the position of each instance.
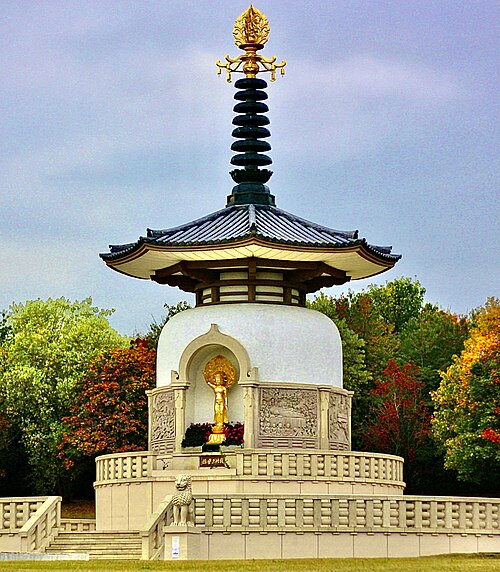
(78, 509)
(454, 563)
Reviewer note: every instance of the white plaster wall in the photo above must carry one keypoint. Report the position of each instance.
(287, 344)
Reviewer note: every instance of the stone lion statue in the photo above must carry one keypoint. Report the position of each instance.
(182, 501)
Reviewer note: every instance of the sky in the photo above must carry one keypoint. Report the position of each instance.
(113, 120)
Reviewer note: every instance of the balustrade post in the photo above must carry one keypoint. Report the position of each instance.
(402, 508)
(368, 513)
(418, 514)
(299, 513)
(180, 415)
(351, 511)
(448, 515)
(250, 412)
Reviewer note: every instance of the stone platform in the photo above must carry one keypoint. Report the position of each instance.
(138, 482)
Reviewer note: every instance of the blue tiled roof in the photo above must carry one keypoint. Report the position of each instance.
(236, 223)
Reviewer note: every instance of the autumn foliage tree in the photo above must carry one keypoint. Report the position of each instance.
(364, 319)
(356, 376)
(110, 413)
(467, 403)
(401, 421)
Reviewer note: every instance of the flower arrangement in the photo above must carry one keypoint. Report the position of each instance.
(234, 433)
(197, 434)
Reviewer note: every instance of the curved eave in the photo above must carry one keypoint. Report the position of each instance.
(144, 258)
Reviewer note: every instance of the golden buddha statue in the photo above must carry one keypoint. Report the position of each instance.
(220, 375)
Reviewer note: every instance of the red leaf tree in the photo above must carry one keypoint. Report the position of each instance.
(401, 420)
(110, 413)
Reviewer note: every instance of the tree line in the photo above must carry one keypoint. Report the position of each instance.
(426, 384)
(425, 380)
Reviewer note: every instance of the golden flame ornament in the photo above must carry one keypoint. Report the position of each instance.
(251, 32)
(252, 27)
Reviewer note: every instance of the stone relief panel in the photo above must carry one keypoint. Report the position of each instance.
(288, 418)
(338, 422)
(162, 422)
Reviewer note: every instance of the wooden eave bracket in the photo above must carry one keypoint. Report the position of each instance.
(308, 276)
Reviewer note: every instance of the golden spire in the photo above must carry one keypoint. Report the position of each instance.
(251, 31)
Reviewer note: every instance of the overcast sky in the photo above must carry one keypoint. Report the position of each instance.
(113, 120)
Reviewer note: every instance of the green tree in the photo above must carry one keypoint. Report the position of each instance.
(398, 301)
(363, 318)
(467, 403)
(356, 376)
(5, 328)
(48, 349)
(430, 340)
(155, 328)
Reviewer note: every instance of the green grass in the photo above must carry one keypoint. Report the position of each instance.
(454, 563)
(78, 509)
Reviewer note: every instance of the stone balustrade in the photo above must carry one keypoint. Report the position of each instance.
(77, 525)
(42, 526)
(15, 512)
(125, 466)
(270, 464)
(318, 465)
(28, 524)
(347, 513)
(152, 535)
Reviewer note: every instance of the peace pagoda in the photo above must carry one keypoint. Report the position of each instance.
(250, 266)
(251, 354)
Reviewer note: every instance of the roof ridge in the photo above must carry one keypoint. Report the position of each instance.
(346, 233)
(252, 219)
(151, 233)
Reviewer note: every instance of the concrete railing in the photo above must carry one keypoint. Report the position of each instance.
(42, 526)
(15, 511)
(314, 465)
(77, 524)
(125, 466)
(153, 539)
(346, 513)
(271, 464)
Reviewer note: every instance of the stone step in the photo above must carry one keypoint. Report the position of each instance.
(81, 547)
(98, 545)
(80, 540)
(100, 533)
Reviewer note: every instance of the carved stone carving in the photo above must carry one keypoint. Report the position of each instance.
(288, 417)
(163, 422)
(338, 422)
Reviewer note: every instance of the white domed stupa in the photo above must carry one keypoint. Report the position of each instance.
(250, 266)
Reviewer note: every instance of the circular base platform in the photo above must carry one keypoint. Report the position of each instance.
(130, 486)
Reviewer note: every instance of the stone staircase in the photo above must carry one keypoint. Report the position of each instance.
(98, 545)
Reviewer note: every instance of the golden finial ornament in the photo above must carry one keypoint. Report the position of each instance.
(251, 31)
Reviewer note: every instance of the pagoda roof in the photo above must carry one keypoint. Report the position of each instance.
(229, 233)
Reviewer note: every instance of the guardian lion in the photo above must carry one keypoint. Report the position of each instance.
(182, 502)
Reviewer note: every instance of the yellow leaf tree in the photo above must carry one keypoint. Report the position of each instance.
(467, 403)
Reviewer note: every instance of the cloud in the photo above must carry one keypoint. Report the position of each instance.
(132, 104)
(370, 76)
(358, 103)
(57, 267)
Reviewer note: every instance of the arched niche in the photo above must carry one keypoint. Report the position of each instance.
(199, 396)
